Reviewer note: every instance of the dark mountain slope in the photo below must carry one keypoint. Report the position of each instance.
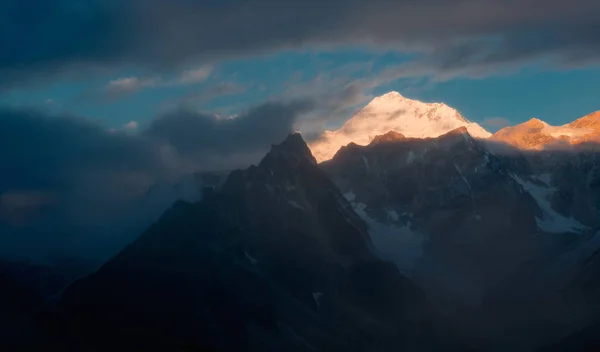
(487, 235)
(26, 323)
(275, 260)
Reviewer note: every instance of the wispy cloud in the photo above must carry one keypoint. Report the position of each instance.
(497, 122)
(129, 85)
(199, 99)
(194, 76)
(131, 125)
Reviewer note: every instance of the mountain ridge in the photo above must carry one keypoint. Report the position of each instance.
(421, 243)
(536, 134)
(393, 112)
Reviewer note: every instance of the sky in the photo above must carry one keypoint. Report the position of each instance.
(101, 99)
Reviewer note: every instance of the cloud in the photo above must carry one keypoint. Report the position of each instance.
(71, 182)
(57, 152)
(218, 90)
(497, 122)
(131, 125)
(197, 136)
(19, 207)
(206, 94)
(129, 85)
(92, 170)
(453, 36)
(335, 94)
(194, 76)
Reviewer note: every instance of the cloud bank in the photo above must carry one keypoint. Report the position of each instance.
(453, 36)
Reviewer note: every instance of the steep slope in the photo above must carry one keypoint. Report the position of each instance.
(393, 112)
(536, 134)
(590, 121)
(275, 260)
(471, 227)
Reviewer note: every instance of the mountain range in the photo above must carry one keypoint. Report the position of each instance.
(409, 228)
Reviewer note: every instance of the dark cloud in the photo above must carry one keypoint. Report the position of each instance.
(65, 178)
(69, 156)
(193, 133)
(37, 149)
(78, 160)
(66, 181)
(44, 37)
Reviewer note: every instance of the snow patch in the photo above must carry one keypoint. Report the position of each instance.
(252, 260)
(350, 196)
(545, 178)
(366, 163)
(552, 221)
(295, 204)
(410, 157)
(317, 297)
(399, 244)
(269, 188)
(392, 215)
(464, 135)
(462, 176)
(566, 131)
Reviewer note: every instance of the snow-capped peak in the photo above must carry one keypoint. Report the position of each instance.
(394, 112)
(393, 95)
(537, 134)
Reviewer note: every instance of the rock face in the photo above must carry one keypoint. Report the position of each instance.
(274, 260)
(481, 231)
(443, 188)
(393, 112)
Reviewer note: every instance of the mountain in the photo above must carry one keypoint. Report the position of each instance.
(536, 134)
(393, 112)
(26, 323)
(483, 233)
(273, 260)
(395, 242)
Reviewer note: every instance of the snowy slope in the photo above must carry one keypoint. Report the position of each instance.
(393, 112)
(536, 134)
